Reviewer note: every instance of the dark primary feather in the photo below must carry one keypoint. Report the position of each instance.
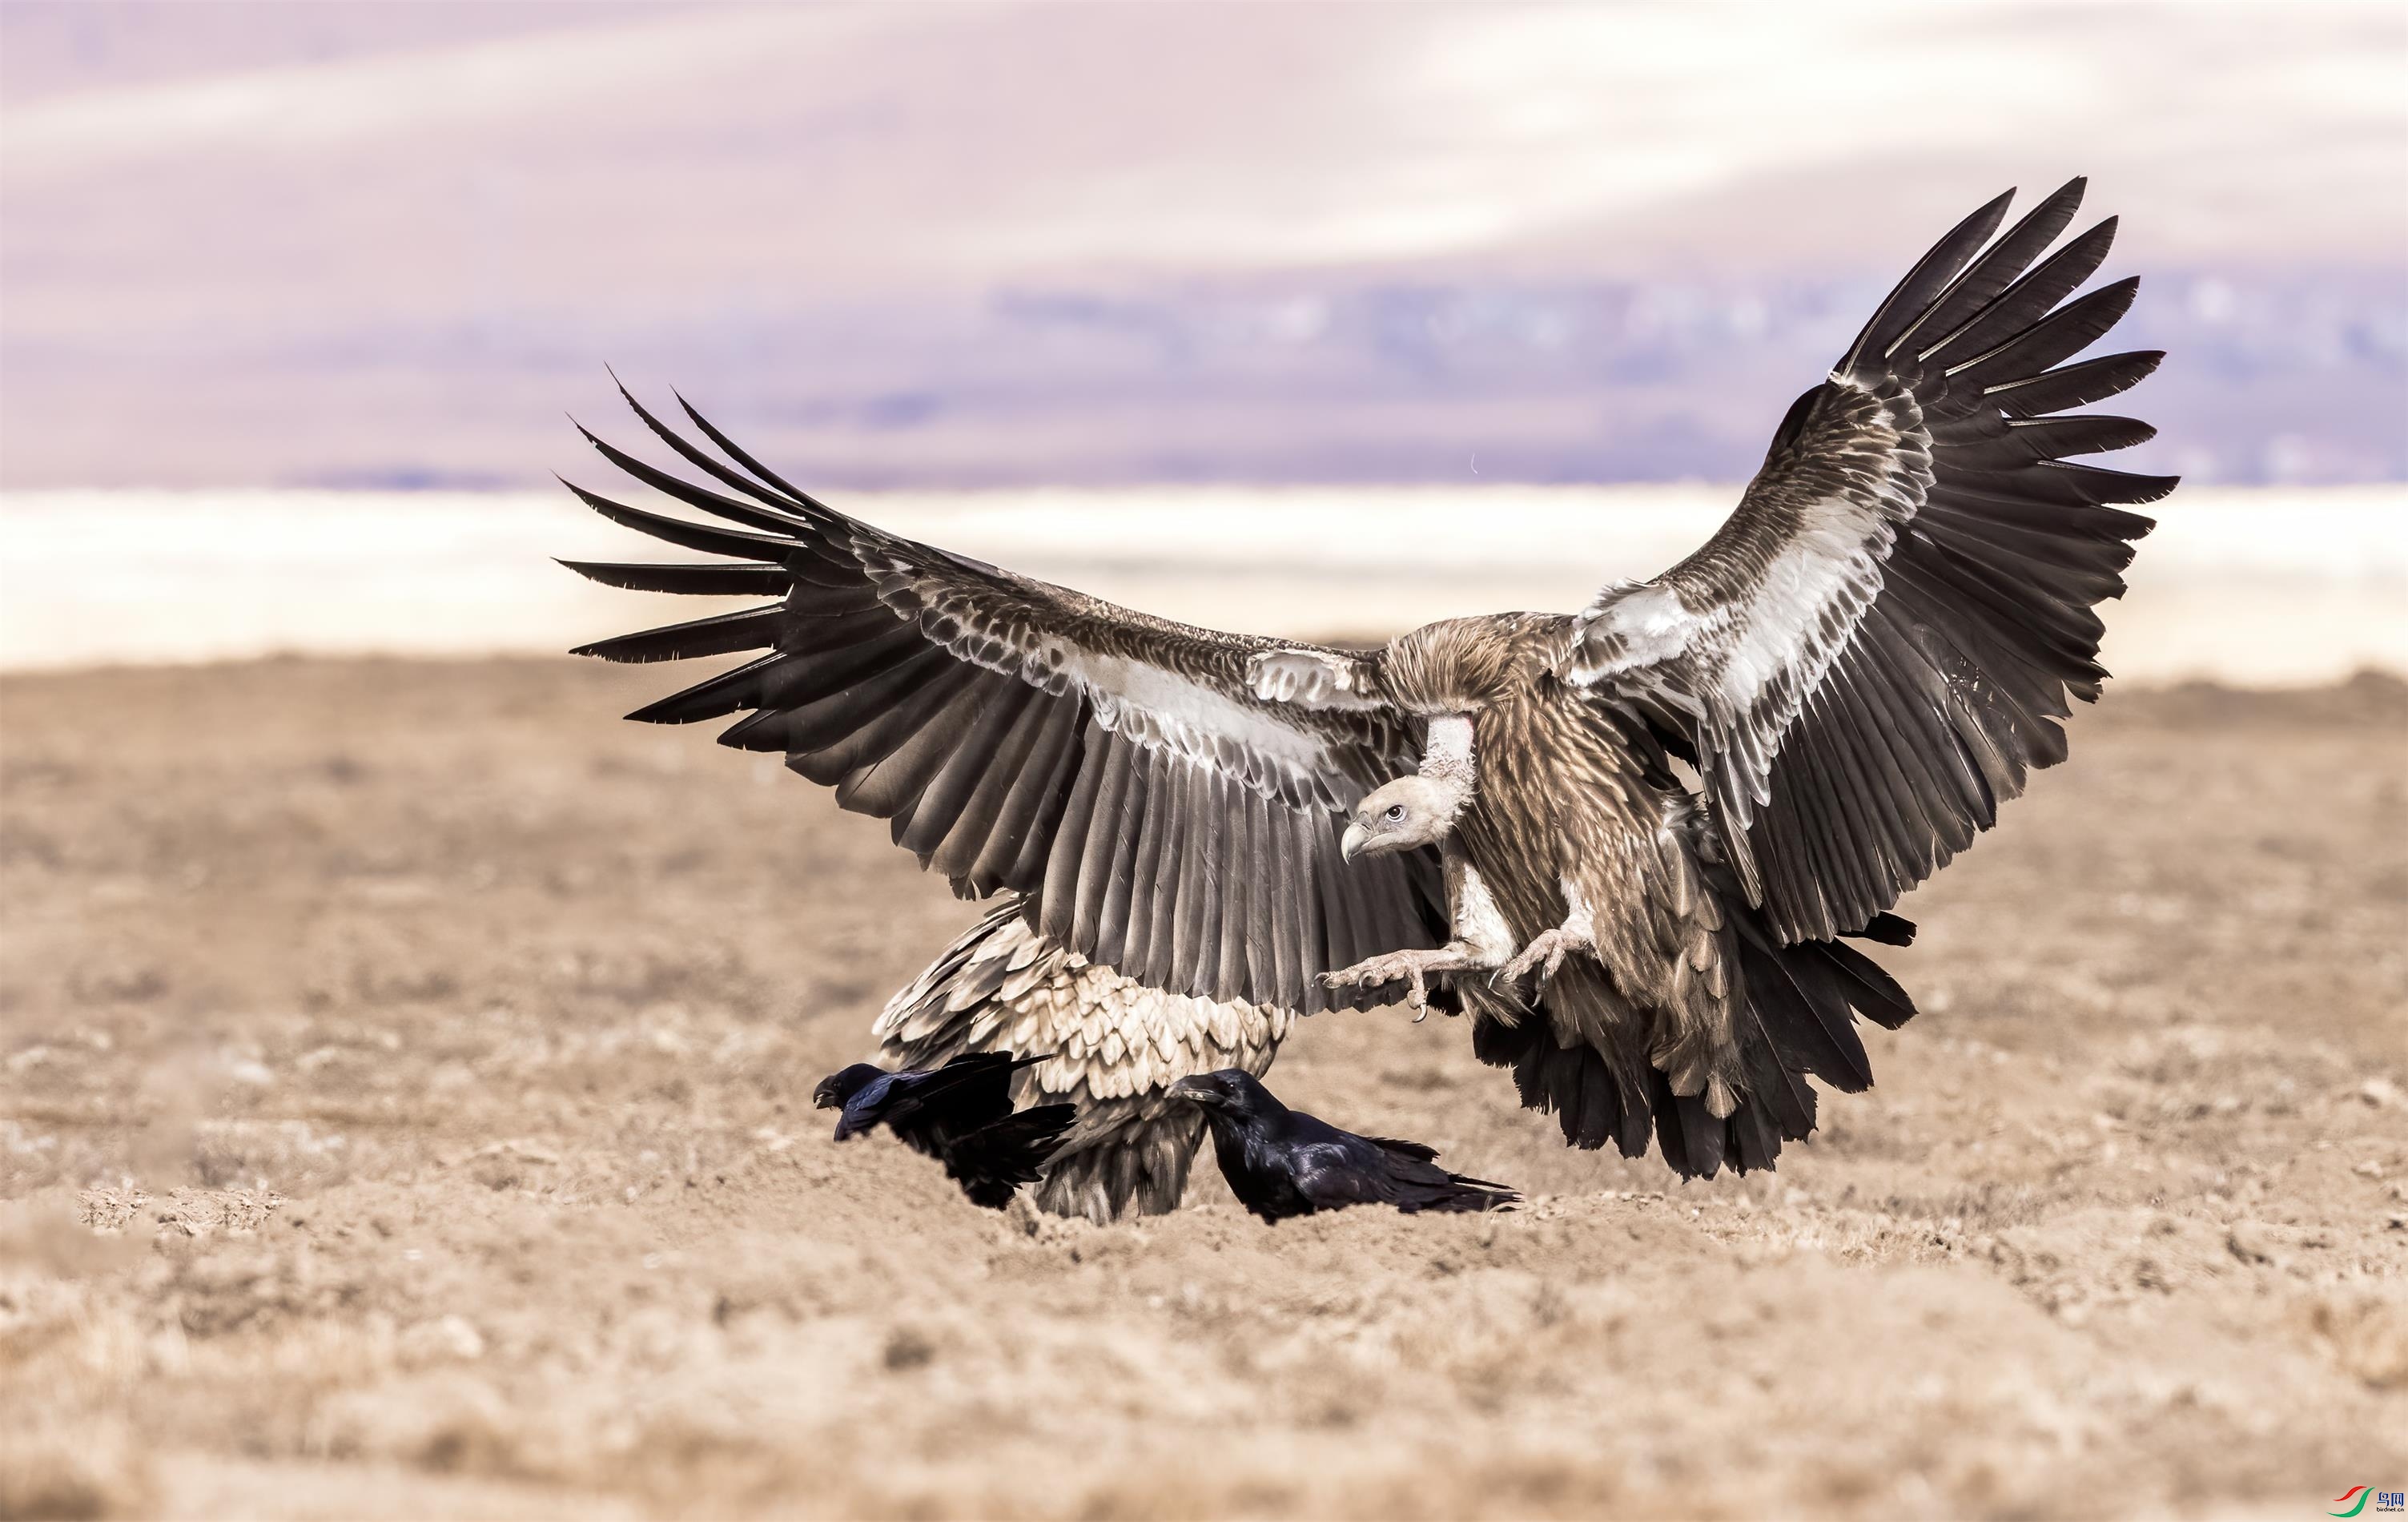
(960, 1114)
(1116, 770)
(1282, 1162)
(1879, 645)
(711, 579)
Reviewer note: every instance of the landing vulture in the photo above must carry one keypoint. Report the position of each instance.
(1192, 837)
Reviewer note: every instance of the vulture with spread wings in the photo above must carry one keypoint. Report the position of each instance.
(1192, 837)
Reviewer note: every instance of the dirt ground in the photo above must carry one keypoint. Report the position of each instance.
(404, 1075)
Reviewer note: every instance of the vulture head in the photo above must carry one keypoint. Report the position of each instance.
(1416, 810)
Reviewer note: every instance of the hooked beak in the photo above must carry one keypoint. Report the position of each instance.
(1351, 845)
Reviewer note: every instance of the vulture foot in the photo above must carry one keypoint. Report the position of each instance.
(1410, 967)
(1546, 953)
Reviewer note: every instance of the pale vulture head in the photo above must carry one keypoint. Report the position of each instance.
(1409, 812)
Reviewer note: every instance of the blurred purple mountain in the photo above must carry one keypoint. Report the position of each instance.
(387, 244)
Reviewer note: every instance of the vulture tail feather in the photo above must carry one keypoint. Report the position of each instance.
(1794, 1018)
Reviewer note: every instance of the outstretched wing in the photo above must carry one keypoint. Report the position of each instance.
(1878, 644)
(1121, 770)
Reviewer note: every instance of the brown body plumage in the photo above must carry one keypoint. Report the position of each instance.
(1573, 824)
(1574, 811)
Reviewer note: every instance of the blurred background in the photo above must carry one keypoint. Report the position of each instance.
(404, 1062)
(1138, 263)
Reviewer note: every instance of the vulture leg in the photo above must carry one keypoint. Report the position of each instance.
(1413, 969)
(1546, 953)
(1548, 948)
(1480, 939)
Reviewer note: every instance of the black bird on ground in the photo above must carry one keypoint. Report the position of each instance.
(1282, 1162)
(960, 1114)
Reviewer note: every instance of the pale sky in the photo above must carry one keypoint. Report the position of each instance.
(198, 192)
(968, 142)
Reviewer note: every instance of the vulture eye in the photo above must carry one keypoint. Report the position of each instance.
(1396, 814)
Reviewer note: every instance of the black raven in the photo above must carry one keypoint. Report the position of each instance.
(959, 1113)
(1282, 1162)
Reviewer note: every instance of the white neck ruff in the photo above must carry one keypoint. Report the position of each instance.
(1446, 753)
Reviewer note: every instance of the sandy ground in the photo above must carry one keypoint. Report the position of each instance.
(403, 1112)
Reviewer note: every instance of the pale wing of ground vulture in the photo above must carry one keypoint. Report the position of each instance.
(1112, 1046)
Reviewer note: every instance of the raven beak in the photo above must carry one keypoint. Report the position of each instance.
(1352, 845)
(1193, 1090)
